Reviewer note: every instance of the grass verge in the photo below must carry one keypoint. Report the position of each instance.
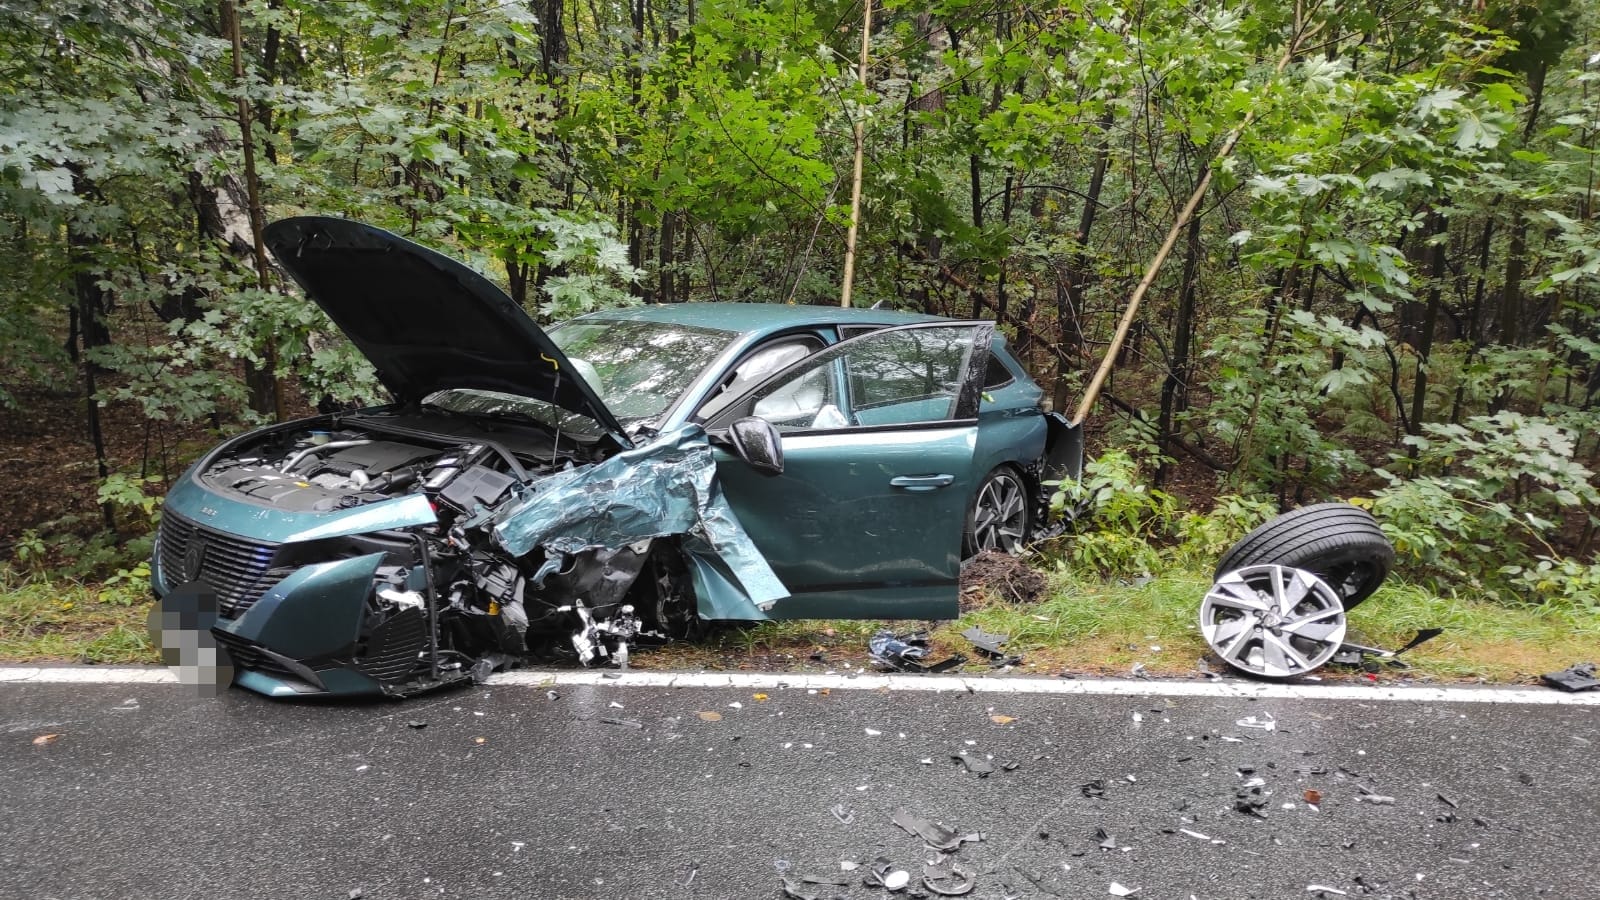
(58, 620)
(1083, 626)
(1106, 627)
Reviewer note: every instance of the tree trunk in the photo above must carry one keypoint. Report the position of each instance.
(666, 289)
(632, 227)
(91, 329)
(266, 394)
(1430, 319)
(858, 131)
(1175, 388)
(1069, 297)
(1474, 317)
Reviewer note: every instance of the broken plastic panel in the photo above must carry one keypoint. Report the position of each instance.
(937, 836)
(1580, 677)
(992, 646)
(1353, 654)
(948, 879)
(906, 652)
(664, 488)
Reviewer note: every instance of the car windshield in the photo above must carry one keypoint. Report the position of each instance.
(637, 368)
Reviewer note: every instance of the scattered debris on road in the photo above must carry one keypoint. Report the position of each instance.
(937, 836)
(975, 765)
(882, 873)
(813, 887)
(905, 653)
(1581, 677)
(948, 879)
(990, 646)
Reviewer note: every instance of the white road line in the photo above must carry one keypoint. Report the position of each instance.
(921, 683)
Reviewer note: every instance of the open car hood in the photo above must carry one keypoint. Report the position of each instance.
(425, 321)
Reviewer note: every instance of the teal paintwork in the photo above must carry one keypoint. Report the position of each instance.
(192, 500)
(655, 490)
(341, 682)
(840, 537)
(315, 612)
(844, 540)
(717, 593)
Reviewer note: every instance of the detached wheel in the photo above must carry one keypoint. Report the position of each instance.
(1339, 543)
(1273, 621)
(1000, 516)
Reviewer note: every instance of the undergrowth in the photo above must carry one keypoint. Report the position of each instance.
(61, 619)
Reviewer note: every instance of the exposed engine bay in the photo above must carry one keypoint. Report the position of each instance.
(448, 602)
(364, 459)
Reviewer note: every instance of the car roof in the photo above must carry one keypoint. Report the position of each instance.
(755, 318)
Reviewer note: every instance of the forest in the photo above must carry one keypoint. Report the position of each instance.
(1387, 293)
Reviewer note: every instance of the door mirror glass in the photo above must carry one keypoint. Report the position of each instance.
(756, 442)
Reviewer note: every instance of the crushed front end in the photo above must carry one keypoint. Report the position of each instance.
(383, 554)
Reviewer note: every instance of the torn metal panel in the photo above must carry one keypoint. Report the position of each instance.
(716, 591)
(663, 488)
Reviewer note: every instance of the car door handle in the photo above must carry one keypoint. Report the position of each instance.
(922, 482)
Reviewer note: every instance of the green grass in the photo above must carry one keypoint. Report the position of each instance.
(1103, 626)
(55, 620)
(1084, 625)
(1108, 626)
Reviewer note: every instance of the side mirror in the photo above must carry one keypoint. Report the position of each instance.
(755, 441)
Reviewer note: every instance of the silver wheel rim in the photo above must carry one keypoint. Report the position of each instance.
(1273, 621)
(1000, 515)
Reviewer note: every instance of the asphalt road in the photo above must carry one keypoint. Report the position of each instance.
(151, 791)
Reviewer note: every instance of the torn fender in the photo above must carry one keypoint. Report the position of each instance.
(663, 488)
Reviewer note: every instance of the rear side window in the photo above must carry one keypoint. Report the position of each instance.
(997, 375)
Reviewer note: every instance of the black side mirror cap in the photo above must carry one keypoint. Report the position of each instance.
(758, 443)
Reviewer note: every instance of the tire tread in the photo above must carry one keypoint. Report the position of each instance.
(1317, 538)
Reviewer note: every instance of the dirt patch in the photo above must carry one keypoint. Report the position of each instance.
(997, 577)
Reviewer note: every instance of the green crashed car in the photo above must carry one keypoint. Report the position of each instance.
(625, 476)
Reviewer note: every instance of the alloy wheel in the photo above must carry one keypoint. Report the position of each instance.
(1000, 514)
(1273, 621)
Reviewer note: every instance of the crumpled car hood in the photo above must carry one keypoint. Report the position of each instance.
(663, 488)
(427, 322)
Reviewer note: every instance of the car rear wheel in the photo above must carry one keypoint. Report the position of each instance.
(1339, 543)
(999, 516)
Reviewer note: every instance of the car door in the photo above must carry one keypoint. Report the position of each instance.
(878, 434)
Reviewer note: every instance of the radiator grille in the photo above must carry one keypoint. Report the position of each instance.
(246, 655)
(237, 569)
(395, 645)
